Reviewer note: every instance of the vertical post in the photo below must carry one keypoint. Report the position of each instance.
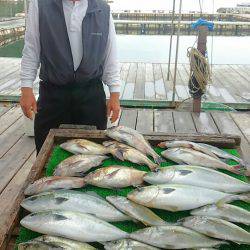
(177, 51)
(25, 11)
(202, 47)
(171, 40)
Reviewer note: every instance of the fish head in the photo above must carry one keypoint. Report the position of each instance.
(143, 195)
(192, 221)
(113, 245)
(159, 176)
(116, 199)
(37, 202)
(38, 219)
(71, 146)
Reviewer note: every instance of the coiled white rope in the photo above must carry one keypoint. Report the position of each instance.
(199, 70)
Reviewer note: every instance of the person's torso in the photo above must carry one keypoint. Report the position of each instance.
(73, 39)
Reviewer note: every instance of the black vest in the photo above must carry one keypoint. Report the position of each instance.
(57, 65)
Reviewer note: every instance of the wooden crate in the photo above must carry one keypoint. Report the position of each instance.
(9, 221)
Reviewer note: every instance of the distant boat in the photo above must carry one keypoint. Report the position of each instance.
(242, 8)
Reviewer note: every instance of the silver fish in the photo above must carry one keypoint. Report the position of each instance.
(134, 139)
(176, 197)
(124, 152)
(115, 177)
(193, 157)
(187, 144)
(127, 244)
(37, 245)
(226, 212)
(136, 211)
(69, 200)
(68, 244)
(173, 237)
(85, 147)
(197, 176)
(77, 165)
(53, 183)
(72, 225)
(222, 154)
(217, 228)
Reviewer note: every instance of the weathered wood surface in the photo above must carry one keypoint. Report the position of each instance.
(17, 151)
(148, 81)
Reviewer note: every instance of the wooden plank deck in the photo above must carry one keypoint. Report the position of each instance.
(148, 81)
(17, 151)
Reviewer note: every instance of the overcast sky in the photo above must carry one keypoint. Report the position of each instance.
(188, 5)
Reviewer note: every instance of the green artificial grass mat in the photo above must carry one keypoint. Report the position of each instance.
(59, 155)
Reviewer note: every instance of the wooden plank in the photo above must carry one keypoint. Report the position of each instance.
(124, 76)
(243, 122)
(128, 118)
(163, 121)
(10, 117)
(168, 84)
(149, 84)
(4, 110)
(183, 122)
(139, 92)
(130, 85)
(11, 136)
(226, 124)
(160, 92)
(12, 196)
(204, 123)
(145, 121)
(13, 160)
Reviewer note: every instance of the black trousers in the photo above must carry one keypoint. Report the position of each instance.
(80, 104)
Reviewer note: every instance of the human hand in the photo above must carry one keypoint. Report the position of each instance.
(113, 107)
(28, 102)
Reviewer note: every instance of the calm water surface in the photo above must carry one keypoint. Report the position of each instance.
(226, 50)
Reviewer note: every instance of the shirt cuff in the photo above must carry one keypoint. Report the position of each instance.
(114, 88)
(26, 84)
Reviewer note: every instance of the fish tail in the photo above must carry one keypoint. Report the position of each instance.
(231, 198)
(162, 145)
(238, 169)
(158, 159)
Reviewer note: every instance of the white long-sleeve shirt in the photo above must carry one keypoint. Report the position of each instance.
(74, 14)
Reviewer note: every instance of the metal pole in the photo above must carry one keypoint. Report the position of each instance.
(171, 39)
(25, 11)
(177, 51)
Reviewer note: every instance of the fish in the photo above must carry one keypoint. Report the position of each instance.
(222, 154)
(197, 176)
(176, 197)
(124, 152)
(84, 147)
(217, 228)
(115, 177)
(127, 244)
(69, 244)
(226, 212)
(37, 245)
(193, 157)
(77, 165)
(187, 144)
(53, 183)
(136, 211)
(84, 202)
(173, 237)
(134, 139)
(72, 225)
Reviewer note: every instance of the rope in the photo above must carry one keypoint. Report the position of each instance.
(199, 70)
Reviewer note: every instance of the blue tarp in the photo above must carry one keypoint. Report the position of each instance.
(203, 22)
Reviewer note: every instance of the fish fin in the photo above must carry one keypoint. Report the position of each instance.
(168, 190)
(59, 217)
(184, 172)
(118, 153)
(92, 193)
(113, 173)
(60, 200)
